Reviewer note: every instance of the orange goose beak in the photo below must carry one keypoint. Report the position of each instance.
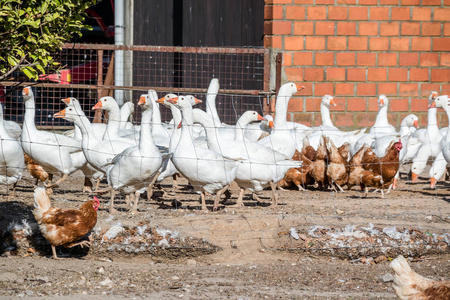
(97, 106)
(60, 114)
(141, 101)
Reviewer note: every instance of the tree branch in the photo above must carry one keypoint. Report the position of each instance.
(13, 68)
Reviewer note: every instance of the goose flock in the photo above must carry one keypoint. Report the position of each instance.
(256, 153)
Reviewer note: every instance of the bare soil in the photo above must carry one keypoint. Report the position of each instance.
(234, 253)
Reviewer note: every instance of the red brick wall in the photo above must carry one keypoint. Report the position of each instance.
(356, 50)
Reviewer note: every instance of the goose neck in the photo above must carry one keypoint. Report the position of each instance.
(382, 116)
(281, 108)
(146, 138)
(30, 111)
(432, 119)
(325, 113)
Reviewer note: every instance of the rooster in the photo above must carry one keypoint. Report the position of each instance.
(380, 172)
(64, 227)
(409, 285)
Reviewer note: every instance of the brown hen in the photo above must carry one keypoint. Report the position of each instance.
(337, 170)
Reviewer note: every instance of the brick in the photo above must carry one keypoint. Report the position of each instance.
(322, 89)
(316, 13)
(420, 44)
(440, 75)
(268, 27)
(315, 43)
(295, 104)
(345, 89)
(366, 59)
(441, 44)
(365, 119)
(313, 74)
(387, 59)
(373, 104)
(281, 27)
(272, 42)
(378, 44)
(357, 43)
(408, 59)
(304, 118)
(295, 12)
(389, 29)
(346, 28)
(431, 29)
(325, 28)
(324, 58)
(346, 2)
(273, 12)
(408, 88)
(441, 14)
(418, 74)
(356, 104)
(400, 13)
(367, 2)
(337, 43)
(409, 28)
(445, 60)
(307, 91)
(303, 58)
(294, 74)
(429, 59)
(358, 13)
(387, 88)
(366, 28)
(278, 1)
(376, 74)
(431, 2)
(335, 74)
(410, 2)
(427, 88)
(313, 104)
(399, 44)
(366, 89)
(304, 2)
(379, 13)
(320, 2)
(343, 120)
(287, 59)
(398, 74)
(389, 2)
(447, 29)
(303, 28)
(399, 104)
(356, 74)
(293, 43)
(345, 59)
(419, 104)
(421, 14)
(337, 12)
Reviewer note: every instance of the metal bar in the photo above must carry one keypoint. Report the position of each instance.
(278, 66)
(166, 48)
(138, 88)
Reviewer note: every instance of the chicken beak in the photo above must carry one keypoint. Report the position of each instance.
(300, 88)
(271, 124)
(432, 105)
(60, 114)
(260, 118)
(66, 100)
(332, 102)
(433, 182)
(416, 123)
(141, 101)
(97, 106)
(160, 100)
(173, 100)
(198, 101)
(414, 177)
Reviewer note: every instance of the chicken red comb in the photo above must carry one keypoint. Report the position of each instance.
(96, 199)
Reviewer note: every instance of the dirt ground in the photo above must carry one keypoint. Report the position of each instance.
(247, 253)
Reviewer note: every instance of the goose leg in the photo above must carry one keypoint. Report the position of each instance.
(58, 182)
(112, 210)
(49, 190)
(12, 194)
(136, 201)
(239, 202)
(128, 201)
(97, 184)
(174, 181)
(274, 204)
(217, 198)
(203, 201)
(87, 185)
(256, 197)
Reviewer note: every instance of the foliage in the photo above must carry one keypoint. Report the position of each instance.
(33, 29)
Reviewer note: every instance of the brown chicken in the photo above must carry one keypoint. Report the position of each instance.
(386, 167)
(354, 177)
(337, 170)
(300, 177)
(308, 150)
(35, 169)
(344, 150)
(409, 285)
(319, 165)
(64, 227)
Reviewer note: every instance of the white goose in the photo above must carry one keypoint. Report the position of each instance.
(11, 157)
(205, 169)
(444, 102)
(57, 154)
(431, 133)
(438, 169)
(261, 166)
(281, 139)
(135, 168)
(126, 113)
(382, 126)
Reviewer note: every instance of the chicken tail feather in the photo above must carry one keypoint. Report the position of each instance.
(41, 202)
